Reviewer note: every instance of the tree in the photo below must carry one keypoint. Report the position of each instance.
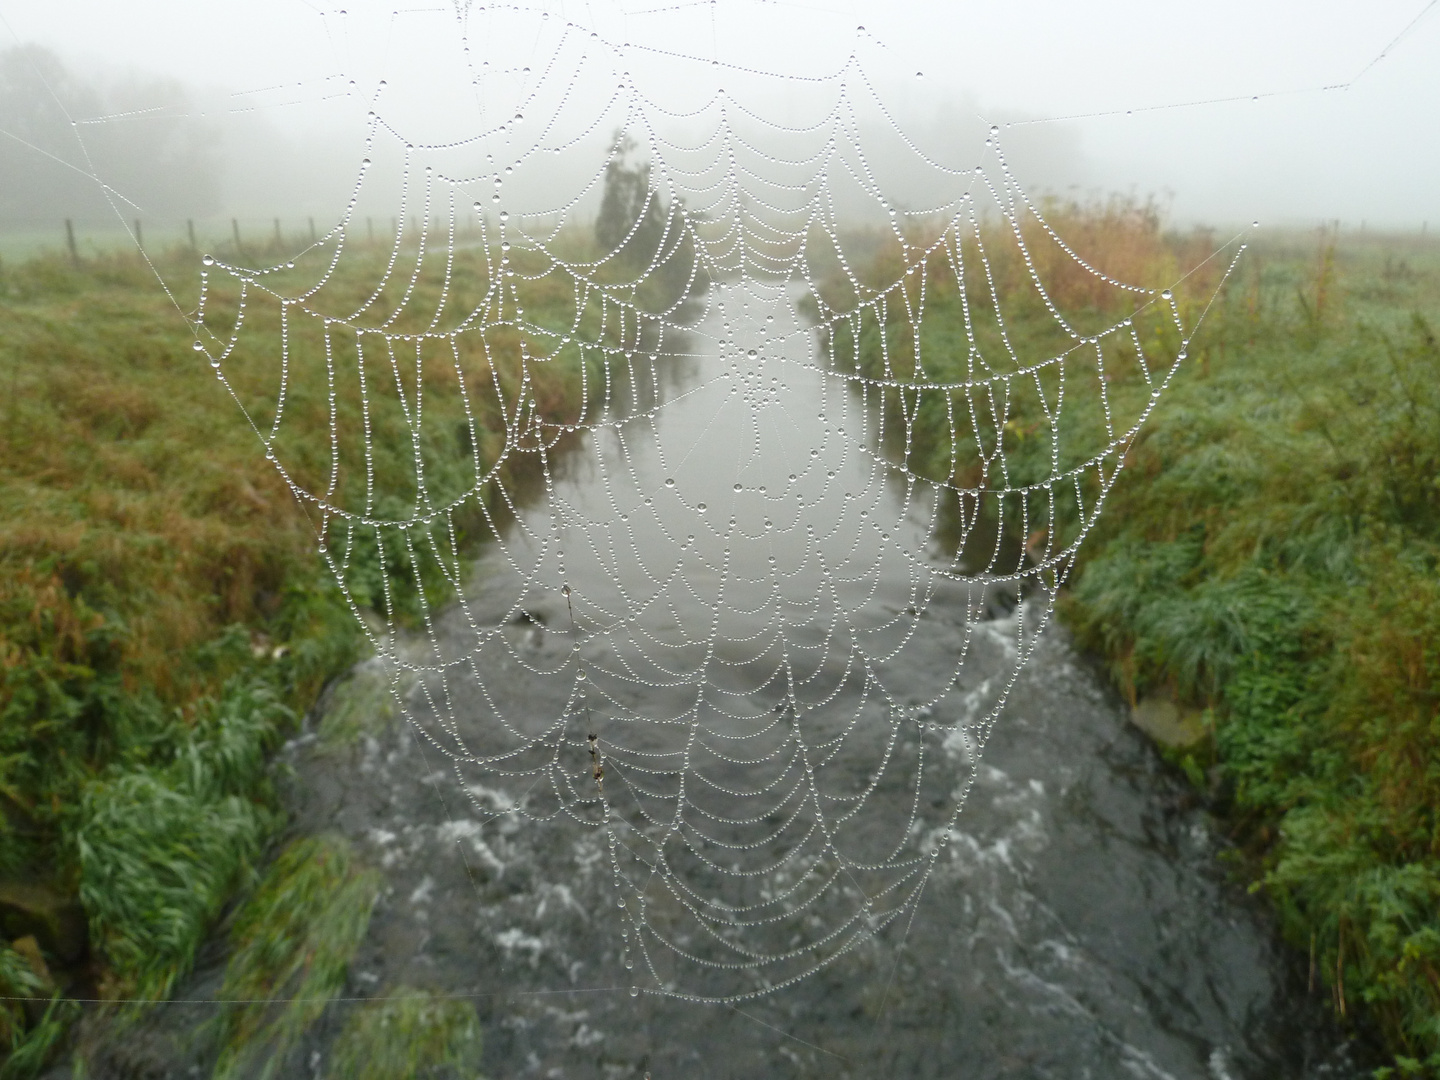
(631, 222)
(153, 153)
(643, 234)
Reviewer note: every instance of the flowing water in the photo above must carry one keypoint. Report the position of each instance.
(1075, 924)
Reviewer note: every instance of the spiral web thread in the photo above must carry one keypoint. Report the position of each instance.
(722, 616)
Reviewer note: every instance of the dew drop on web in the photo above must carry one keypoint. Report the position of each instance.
(615, 324)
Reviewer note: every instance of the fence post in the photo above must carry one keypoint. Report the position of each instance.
(278, 242)
(235, 228)
(190, 229)
(70, 241)
(139, 236)
(312, 230)
(370, 228)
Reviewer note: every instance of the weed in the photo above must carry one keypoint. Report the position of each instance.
(18, 979)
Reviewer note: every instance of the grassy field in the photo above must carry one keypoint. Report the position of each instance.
(165, 618)
(1270, 556)
(1275, 559)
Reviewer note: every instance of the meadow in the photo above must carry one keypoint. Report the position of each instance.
(166, 620)
(1268, 561)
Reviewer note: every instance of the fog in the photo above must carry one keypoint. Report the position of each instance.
(262, 109)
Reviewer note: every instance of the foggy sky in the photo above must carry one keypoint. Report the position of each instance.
(288, 83)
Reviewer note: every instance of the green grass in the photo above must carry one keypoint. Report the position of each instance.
(25, 1044)
(164, 614)
(30, 1051)
(1276, 556)
(1271, 552)
(161, 849)
(410, 1033)
(292, 941)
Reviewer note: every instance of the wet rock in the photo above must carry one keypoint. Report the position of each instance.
(1170, 725)
(29, 949)
(55, 920)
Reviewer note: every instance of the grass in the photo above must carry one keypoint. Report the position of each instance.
(1288, 530)
(164, 615)
(292, 941)
(1271, 553)
(979, 386)
(162, 849)
(410, 1033)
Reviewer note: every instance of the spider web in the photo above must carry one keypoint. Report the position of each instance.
(736, 538)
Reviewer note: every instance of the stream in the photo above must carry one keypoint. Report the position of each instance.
(1075, 920)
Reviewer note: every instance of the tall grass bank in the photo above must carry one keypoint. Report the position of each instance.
(1264, 585)
(165, 621)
